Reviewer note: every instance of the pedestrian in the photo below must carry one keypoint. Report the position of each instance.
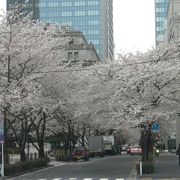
(178, 153)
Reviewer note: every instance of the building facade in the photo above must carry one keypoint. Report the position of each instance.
(77, 50)
(93, 17)
(160, 20)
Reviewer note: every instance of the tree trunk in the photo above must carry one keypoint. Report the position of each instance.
(22, 154)
(6, 159)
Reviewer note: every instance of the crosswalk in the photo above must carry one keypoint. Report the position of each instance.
(74, 178)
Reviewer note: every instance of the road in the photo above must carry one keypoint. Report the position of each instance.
(119, 167)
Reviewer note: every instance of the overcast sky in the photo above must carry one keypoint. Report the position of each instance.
(133, 25)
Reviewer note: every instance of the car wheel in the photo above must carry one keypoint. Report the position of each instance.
(86, 159)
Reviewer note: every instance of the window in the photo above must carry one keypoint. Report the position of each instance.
(53, 4)
(76, 56)
(67, 13)
(53, 14)
(93, 31)
(93, 22)
(73, 56)
(95, 3)
(79, 3)
(79, 13)
(70, 56)
(92, 13)
(66, 4)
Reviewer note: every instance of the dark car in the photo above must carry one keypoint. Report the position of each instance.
(80, 153)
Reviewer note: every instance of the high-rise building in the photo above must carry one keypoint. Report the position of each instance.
(93, 17)
(160, 17)
(27, 6)
(173, 21)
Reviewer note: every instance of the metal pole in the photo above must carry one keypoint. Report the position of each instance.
(145, 150)
(2, 167)
(140, 164)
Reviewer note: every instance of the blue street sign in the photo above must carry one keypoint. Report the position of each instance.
(155, 126)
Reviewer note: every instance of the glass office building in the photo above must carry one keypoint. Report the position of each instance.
(27, 6)
(93, 17)
(160, 17)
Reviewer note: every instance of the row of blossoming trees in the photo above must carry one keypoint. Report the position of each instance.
(40, 98)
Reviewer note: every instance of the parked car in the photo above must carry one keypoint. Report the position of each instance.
(80, 153)
(135, 150)
(129, 149)
(124, 149)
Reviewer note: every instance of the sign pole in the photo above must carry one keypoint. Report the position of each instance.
(2, 144)
(2, 167)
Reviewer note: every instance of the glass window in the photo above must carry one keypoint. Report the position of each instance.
(93, 22)
(66, 3)
(67, 13)
(92, 13)
(93, 31)
(53, 14)
(53, 4)
(70, 56)
(76, 56)
(90, 3)
(79, 3)
(94, 41)
(79, 13)
(42, 4)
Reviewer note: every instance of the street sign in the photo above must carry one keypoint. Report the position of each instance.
(155, 126)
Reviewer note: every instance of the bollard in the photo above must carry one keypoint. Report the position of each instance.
(140, 168)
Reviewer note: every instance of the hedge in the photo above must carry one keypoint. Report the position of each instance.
(19, 167)
(64, 158)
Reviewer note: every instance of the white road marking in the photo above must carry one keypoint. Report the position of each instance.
(72, 178)
(57, 178)
(88, 179)
(103, 179)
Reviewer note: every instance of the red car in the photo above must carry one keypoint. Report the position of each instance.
(80, 153)
(129, 149)
(135, 150)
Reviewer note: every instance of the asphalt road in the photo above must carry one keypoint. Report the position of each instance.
(119, 167)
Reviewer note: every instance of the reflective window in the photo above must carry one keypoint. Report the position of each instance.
(79, 3)
(53, 14)
(66, 3)
(79, 13)
(67, 13)
(93, 22)
(93, 31)
(42, 4)
(92, 13)
(53, 4)
(93, 3)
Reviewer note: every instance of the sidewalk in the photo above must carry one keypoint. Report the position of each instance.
(56, 163)
(166, 168)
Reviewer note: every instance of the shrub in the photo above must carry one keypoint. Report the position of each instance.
(147, 167)
(20, 167)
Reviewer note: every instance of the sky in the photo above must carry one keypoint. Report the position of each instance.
(133, 25)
